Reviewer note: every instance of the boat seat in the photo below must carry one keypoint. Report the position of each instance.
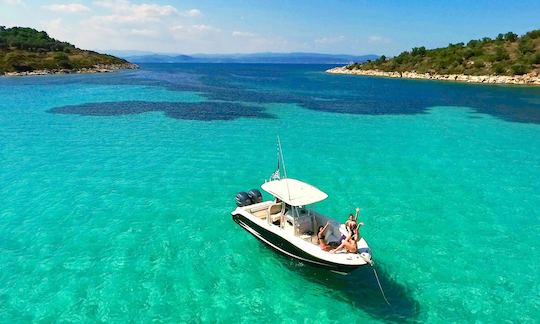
(274, 212)
(333, 233)
(304, 225)
(330, 237)
(306, 237)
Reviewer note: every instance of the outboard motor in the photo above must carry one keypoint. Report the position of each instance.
(243, 199)
(255, 196)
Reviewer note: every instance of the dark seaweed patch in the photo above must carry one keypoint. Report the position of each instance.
(179, 110)
(315, 90)
(309, 87)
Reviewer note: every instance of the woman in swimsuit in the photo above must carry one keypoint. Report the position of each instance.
(348, 245)
(352, 225)
(320, 237)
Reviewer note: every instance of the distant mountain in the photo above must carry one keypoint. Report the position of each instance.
(276, 58)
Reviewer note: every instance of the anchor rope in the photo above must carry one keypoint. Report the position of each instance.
(379, 283)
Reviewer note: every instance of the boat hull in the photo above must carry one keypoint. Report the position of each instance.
(286, 248)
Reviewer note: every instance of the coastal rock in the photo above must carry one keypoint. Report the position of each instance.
(100, 68)
(532, 78)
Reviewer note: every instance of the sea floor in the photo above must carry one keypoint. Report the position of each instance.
(116, 192)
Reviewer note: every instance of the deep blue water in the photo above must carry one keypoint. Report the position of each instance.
(308, 86)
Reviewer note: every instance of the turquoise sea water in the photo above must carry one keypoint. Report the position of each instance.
(116, 192)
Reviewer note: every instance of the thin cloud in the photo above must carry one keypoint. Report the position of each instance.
(124, 7)
(147, 24)
(54, 26)
(13, 2)
(67, 8)
(192, 13)
(145, 32)
(126, 14)
(242, 34)
(378, 39)
(330, 40)
(180, 30)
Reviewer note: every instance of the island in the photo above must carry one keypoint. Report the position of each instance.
(507, 59)
(26, 51)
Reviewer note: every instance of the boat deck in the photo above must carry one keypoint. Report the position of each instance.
(305, 226)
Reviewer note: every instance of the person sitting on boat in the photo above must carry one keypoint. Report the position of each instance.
(349, 245)
(321, 237)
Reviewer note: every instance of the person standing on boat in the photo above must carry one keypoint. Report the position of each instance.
(353, 226)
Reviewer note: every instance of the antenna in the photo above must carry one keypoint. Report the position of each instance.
(284, 169)
(282, 159)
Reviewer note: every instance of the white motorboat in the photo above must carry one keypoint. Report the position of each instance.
(288, 226)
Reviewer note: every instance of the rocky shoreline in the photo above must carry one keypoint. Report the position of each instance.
(532, 78)
(100, 68)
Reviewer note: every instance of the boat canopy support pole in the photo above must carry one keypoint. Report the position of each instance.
(284, 168)
(282, 159)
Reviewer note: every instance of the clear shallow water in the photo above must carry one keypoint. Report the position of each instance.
(116, 192)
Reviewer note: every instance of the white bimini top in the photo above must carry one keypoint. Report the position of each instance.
(294, 192)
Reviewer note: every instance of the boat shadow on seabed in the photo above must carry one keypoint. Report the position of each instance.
(360, 288)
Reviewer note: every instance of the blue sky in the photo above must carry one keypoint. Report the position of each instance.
(242, 26)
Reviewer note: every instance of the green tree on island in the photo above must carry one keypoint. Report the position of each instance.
(507, 54)
(25, 49)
